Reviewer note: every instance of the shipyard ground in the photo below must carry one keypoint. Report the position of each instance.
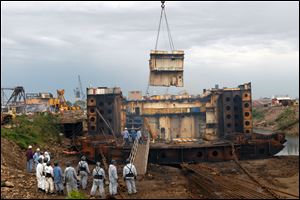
(170, 182)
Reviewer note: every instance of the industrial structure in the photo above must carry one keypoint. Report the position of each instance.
(213, 126)
(182, 128)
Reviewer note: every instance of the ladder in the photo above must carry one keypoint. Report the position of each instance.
(139, 156)
(133, 151)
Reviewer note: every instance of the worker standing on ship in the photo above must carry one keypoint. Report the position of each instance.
(83, 170)
(133, 135)
(126, 136)
(129, 175)
(139, 136)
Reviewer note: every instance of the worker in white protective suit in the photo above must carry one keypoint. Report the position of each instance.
(99, 177)
(129, 175)
(113, 178)
(47, 155)
(83, 171)
(49, 185)
(70, 178)
(39, 174)
(43, 176)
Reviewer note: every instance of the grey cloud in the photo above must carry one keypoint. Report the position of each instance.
(108, 44)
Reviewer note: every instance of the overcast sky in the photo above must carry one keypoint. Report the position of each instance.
(46, 45)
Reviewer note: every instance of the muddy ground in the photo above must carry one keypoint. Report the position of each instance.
(168, 182)
(279, 172)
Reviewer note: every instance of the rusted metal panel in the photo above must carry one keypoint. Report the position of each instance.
(152, 111)
(166, 68)
(108, 102)
(166, 61)
(91, 101)
(166, 79)
(247, 111)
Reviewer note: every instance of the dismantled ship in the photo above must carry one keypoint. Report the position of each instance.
(182, 128)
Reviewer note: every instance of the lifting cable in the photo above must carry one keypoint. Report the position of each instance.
(163, 14)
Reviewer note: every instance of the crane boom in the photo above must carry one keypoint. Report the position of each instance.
(81, 90)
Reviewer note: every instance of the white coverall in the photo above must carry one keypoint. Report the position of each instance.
(39, 174)
(43, 177)
(47, 155)
(49, 186)
(70, 179)
(113, 177)
(98, 182)
(130, 182)
(83, 174)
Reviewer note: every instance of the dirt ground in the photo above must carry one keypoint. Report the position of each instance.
(160, 181)
(166, 182)
(268, 122)
(279, 172)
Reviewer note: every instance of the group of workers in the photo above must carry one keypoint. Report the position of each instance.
(131, 136)
(50, 178)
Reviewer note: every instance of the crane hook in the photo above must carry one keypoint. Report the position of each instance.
(163, 4)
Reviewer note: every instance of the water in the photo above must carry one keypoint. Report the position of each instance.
(291, 146)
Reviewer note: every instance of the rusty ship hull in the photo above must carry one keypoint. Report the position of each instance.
(183, 128)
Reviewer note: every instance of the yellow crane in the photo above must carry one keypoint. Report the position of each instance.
(60, 102)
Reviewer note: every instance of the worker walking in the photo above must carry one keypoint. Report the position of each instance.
(58, 179)
(99, 177)
(83, 170)
(113, 178)
(39, 174)
(139, 136)
(133, 135)
(29, 156)
(129, 175)
(70, 178)
(36, 156)
(126, 136)
(49, 186)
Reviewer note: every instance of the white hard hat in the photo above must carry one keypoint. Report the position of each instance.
(46, 153)
(38, 149)
(29, 147)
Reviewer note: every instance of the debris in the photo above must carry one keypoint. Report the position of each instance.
(7, 184)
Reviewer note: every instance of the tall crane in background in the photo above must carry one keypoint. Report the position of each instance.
(81, 90)
(78, 92)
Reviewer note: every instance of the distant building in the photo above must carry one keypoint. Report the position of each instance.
(282, 101)
(262, 102)
(135, 95)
